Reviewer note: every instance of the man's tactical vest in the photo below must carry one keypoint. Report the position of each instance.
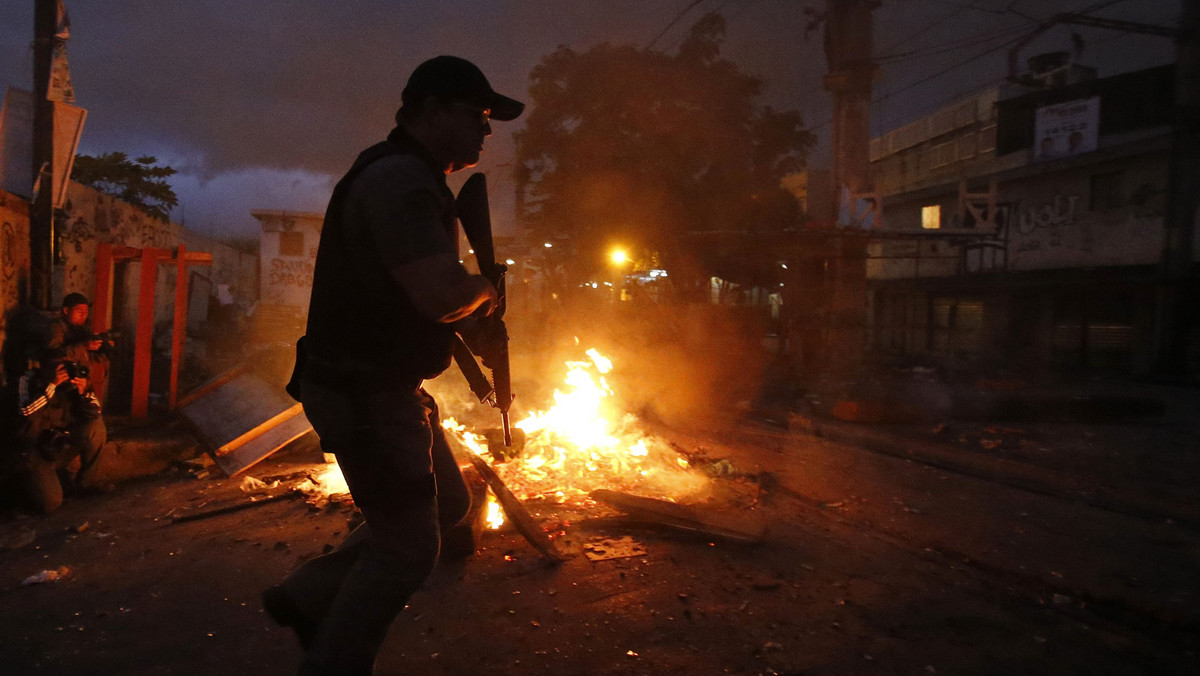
(362, 329)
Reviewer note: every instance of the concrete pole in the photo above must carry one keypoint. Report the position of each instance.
(41, 213)
(1177, 314)
(848, 49)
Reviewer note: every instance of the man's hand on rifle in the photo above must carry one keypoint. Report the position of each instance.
(487, 337)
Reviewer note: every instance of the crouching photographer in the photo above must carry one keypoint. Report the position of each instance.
(60, 431)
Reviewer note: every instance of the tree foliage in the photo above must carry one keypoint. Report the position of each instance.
(137, 182)
(637, 147)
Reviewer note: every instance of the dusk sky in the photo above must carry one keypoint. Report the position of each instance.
(262, 104)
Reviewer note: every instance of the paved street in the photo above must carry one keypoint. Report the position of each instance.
(872, 564)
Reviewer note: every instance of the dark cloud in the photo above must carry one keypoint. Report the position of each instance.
(277, 89)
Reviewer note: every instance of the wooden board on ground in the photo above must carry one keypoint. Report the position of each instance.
(735, 527)
(243, 420)
(516, 512)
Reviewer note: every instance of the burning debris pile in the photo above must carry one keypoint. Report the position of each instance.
(582, 443)
(583, 454)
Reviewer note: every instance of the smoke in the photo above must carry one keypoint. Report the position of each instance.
(670, 362)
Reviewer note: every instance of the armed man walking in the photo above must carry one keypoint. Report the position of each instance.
(388, 295)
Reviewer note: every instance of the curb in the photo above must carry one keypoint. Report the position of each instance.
(1027, 477)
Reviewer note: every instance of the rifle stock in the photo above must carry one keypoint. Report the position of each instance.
(475, 216)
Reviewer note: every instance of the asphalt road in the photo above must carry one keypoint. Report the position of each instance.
(873, 563)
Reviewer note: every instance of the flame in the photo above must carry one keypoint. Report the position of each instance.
(327, 482)
(584, 442)
(494, 517)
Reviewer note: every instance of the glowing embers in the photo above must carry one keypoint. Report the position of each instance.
(583, 442)
(327, 483)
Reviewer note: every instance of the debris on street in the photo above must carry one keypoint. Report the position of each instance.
(603, 549)
(49, 575)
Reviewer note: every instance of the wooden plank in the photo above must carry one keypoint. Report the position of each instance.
(249, 451)
(213, 384)
(198, 258)
(516, 512)
(234, 415)
(742, 527)
(120, 253)
(236, 507)
(260, 429)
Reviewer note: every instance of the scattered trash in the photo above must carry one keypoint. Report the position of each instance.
(603, 549)
(47, 576)
(251, 485)
(200, 462)
(21, 538)
(991, 444)
(940, 428)
(81, 527)
(772, 647)
(1060, 599)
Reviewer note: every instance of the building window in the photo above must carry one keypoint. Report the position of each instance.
(931, 217)
(291, 243)
(1105, 191)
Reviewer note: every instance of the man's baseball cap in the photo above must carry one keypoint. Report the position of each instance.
(450, 77)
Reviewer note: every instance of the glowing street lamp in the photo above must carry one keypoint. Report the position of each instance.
(618, 256)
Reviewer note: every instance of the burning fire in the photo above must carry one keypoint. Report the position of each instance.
(584, 442)
(581, 443)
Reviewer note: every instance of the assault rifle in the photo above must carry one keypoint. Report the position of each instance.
(476, 219)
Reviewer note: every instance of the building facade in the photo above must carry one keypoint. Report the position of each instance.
(1023, 229)
(287, 258)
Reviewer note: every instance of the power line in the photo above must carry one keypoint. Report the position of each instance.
(953, 45)
(672, 23)
(933, 24)
(1092, 8)
(960, 64)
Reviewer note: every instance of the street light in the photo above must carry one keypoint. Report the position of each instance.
(618, 256)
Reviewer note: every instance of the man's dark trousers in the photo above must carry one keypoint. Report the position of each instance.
(393, 453)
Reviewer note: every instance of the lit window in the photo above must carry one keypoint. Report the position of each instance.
(931, 217)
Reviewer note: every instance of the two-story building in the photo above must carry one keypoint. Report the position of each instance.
(1023, 228)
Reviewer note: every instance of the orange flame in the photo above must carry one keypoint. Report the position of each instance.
(584, 442)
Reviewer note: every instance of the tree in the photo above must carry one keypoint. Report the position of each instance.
(637, 147)
(136, 182)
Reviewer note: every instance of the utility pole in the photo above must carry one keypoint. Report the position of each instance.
(1176, 307)
(41, 213)
(848, 49)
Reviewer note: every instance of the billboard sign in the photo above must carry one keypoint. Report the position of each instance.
(1066, 129)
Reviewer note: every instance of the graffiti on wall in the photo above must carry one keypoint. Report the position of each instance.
(1025, 229)
(1043, 226)
(8, 245)
(291, 272)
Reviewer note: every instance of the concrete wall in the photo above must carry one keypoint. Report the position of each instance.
(90, 218)
(287, 270)
(14, 268)
(93, 218)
